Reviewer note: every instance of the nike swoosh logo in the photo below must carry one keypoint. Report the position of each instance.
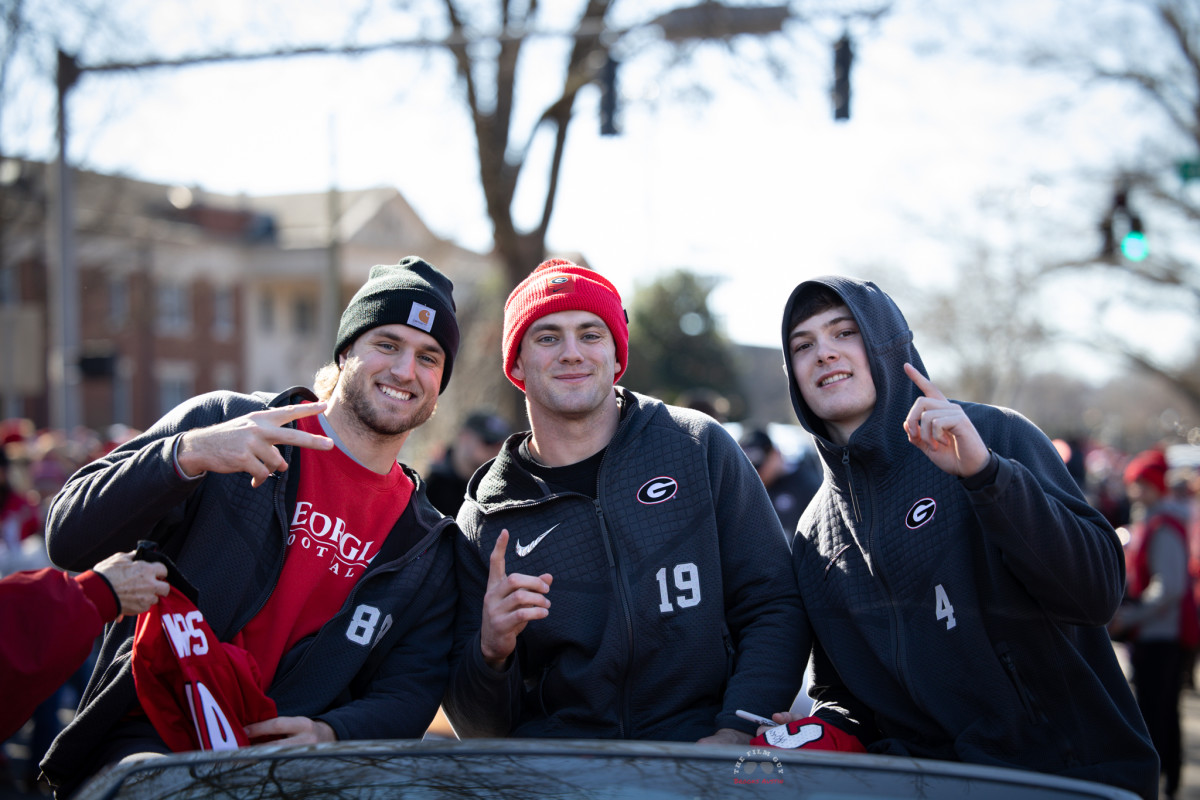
(525, 550)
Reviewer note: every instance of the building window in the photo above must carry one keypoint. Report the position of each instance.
(123, 392)
(176, 383)
(225, 376)
(266, 313)
(118, 301)
(304, 316)
(222, 312)
(174, 308)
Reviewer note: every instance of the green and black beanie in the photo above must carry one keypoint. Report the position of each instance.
(412, 293)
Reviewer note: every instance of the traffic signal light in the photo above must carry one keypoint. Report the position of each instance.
(1121, 218)
(843, 57)
(608, 97)
(1134, 246)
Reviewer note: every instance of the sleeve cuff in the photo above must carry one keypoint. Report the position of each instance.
(485, 668)
(985, 476)
(100, 591)
(735, 722)
(175, 460)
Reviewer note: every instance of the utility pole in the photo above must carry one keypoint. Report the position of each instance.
(63, 363)
(330, 303)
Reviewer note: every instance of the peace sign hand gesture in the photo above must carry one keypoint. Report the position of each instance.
(247, 443)
(942, 430)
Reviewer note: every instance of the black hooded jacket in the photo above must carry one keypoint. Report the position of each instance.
(671, 606)
(375, 670)
(961, 619)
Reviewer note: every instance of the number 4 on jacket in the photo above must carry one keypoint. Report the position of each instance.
(944, 609)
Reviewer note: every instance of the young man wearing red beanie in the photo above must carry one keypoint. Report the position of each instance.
(1159, 617)
(622, 572)
(311, 547)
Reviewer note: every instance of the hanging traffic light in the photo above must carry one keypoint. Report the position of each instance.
(608, 97)
(843, 57)
(1134, 246)
(1133, 243)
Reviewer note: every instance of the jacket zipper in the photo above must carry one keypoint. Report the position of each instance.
(877, 566)
(850, 482)
(622, 700)
(624, 721)
(1010, 666)
(281, 513)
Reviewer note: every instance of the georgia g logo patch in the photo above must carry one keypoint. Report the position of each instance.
(657, 490)
(921, 512)
(560, 284)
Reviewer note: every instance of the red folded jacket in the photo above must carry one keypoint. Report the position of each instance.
(198, 691)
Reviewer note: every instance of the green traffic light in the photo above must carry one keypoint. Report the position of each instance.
(1134, 246)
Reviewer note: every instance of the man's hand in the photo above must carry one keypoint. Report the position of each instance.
(942, 431)
(247, 444)
(726, 736)
(138, 584)
(290, 730)
(781, 718)
(510, 603)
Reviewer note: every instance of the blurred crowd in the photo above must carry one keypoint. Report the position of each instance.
(34, 464)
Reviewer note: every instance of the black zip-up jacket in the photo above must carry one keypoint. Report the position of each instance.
(375, 670)
(672, 604)
(962, 619)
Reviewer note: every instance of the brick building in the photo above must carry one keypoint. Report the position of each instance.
(183, 291)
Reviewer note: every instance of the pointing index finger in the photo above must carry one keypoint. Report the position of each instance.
(496, 570)
(285, 414)
(924, 384)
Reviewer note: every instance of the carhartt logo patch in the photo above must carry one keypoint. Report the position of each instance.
(657, 490)
(920, 513)
(422, 317)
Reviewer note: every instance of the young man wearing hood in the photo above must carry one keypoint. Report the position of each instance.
(957, 582)
(622, 572)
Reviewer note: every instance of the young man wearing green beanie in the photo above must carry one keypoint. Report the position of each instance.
(622, 571)
(310, 546)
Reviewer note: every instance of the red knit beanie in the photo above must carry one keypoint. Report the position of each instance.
(1149, 466)
(559, 285)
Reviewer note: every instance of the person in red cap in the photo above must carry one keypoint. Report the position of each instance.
(622, 572)
(1158, 619)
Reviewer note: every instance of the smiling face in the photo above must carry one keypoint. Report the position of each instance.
(829, 363)
(568, 364)
(389, 381)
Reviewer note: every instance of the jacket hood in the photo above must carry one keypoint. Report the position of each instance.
(889, 344)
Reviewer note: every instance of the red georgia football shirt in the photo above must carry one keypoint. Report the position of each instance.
(342, 516)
